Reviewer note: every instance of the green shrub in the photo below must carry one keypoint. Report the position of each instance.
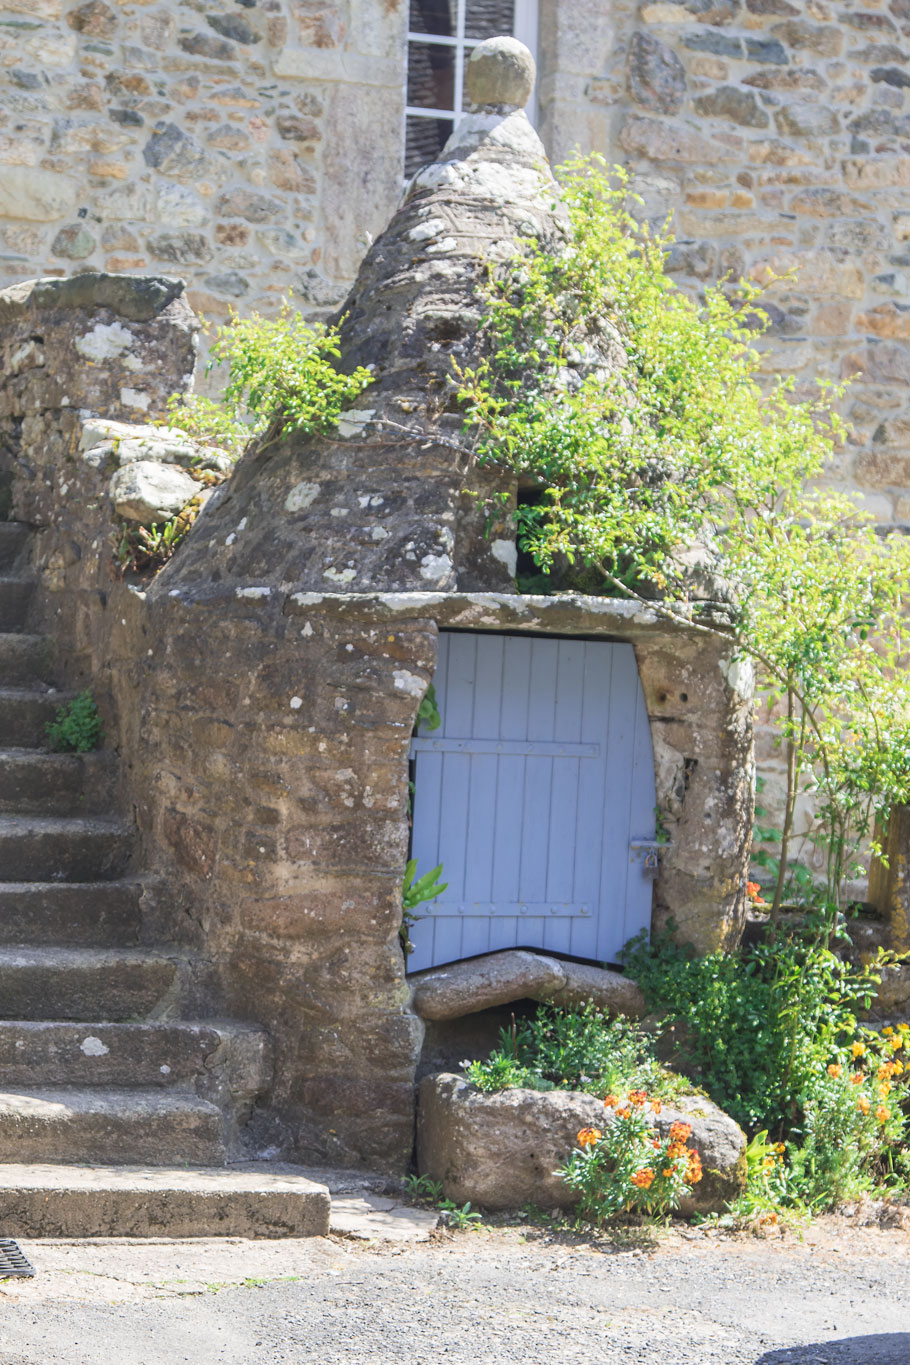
(76, 727)
(280, 370)
(573, 1049)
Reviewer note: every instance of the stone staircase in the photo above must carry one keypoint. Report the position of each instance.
(107, 1096)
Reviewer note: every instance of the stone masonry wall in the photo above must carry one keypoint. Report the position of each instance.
(233, 144)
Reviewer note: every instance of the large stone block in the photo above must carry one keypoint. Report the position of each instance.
(501, 1150)
(147, 491)
(36, 195)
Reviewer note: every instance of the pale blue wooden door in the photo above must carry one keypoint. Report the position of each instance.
(536, 794)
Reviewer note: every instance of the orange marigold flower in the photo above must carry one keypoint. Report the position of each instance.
(624, 1113)
(858, 1077)
(858, 1049)
(882, 1114)
(676, 1149)
(655, 1143)
(863, 1105)
(656, 1106)
(610, 1102)
(643, 1178)
(834, 1070)
(752, 888)
(667, 1172)
(694, 1172)
(680, 1132)
(637, 1097)
(885, 1070)
(586, 1137)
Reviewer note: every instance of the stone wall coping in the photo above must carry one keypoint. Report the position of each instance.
(138, 298)
(570, 613)
(573, 613)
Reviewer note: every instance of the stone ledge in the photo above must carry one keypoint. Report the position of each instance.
(138, 298)
(461, 988)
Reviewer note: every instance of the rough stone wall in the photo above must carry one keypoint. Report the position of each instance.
(232, 145)
(776, 133)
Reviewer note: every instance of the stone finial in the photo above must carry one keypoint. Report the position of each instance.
(500, 71)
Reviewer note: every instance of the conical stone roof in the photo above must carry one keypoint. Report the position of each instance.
(383, 505)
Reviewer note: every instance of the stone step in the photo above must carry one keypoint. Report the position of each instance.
(24, 712)
(150, 1127)
(24, 658)
(252, 1200)
(89, 914)
(50, 849)
(32, 781)
(224, 1061)
(16, 592)
(14, 539)
(84, 983)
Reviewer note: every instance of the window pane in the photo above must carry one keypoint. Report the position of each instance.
(431, 76)
(425, 139)
(489, 18)
(433, 16)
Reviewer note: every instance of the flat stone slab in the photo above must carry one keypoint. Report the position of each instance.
(251, 1200)
(377, 1217)
(500, 1150)
(462, 988)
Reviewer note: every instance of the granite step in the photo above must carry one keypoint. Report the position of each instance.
(14, 539)
(16, 593)
(24, 658)
(71, 914)
(24, 712)
(91, 1124)
(252, 1200)
(35, 782)
(52, 848)
(85, 983)
(223, 1060)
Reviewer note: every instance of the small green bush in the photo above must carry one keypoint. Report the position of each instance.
(574, 1049)
(280, 370)
(76, 727)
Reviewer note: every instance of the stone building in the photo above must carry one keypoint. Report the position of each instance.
(253, 148)
(261, 694)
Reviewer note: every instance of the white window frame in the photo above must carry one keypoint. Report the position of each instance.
(524, 28)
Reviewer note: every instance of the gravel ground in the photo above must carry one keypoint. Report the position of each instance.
(840, 1295)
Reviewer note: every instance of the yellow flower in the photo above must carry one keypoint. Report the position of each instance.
(834, 1070)
(898, 1068)
(903, 1028)
(884, 1090)
(882, 1114)
(862, 1105)
(780, 1148)
(896, 1043)
(888, 1031)
(858, 1049)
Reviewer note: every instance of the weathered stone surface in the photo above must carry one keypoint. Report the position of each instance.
(146, 491)
(74, 242)
(174, 152)
(35, 195)
(500, 1150)
(657, 78)
(500, 71)
(807, 120)
(466, 987)
(609, 991)
(734, 105)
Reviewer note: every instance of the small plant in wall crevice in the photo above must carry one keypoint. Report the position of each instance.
(415, 890)
(76, 727)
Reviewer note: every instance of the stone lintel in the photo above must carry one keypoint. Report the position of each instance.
(570, 614)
